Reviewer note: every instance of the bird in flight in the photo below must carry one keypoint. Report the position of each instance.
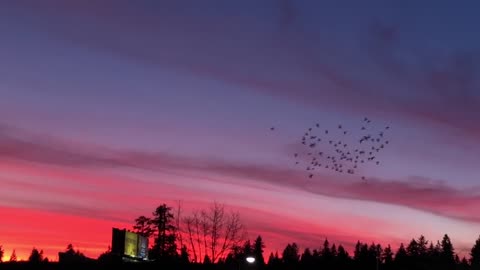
(347, 155)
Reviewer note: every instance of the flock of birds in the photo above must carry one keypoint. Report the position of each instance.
(339, 149)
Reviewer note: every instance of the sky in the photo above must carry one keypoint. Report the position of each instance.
(110, 108)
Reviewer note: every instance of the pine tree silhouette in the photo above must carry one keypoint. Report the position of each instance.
(475, 255)
(447, 255)
(258, 247)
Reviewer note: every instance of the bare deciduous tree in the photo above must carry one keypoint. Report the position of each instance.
(178, 227)
(196, 220)
(213, 232)
(190, 230)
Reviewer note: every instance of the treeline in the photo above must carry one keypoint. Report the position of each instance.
(215, 238)
(36, 256)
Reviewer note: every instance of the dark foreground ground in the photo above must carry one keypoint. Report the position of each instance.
(136, 266)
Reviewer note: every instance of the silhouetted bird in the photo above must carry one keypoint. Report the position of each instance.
(272, 128)
(341, 155)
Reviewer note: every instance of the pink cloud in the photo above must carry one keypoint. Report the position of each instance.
(430, 196)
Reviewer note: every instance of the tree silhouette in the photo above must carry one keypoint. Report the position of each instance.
(422, 246)
(343, 258)
(464, 264)
(363, 258)
(107, 256)
(258, 247)
(36, 256)
(143, 226)
(178, 226)
(184, 256)
(274, 261)
(2, 252)
(290, 256)
(206, 260)
(307, 260)
(213, 232)
(271, 258)
(423, 252)
(374, 254)
(164, 247)
(225, 230)
(13, 257)
(447, 255)
(71, 255)
(475, 255)
(333, 250)
(433, 254)
(247, 249)
(326, 253)
(412, 250)
(401, 257)
(387, 256)
(357, 251)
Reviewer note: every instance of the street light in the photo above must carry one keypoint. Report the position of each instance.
(249, 259)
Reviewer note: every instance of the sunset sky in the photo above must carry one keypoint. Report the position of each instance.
(109, 108)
